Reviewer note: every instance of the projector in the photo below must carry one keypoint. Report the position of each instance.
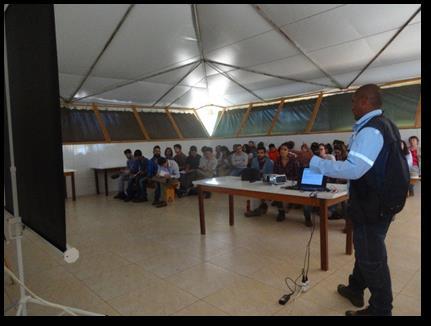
(275, 179)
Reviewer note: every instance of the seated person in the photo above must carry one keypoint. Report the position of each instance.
(223, 162)
(169, 154)
(124, 175)
(137, 185)
(180, 157)
(207, 166)
(190, 172)
(238, 160)
(156, 154)
(323, 152)
(265, 166)
(273, 152)
(167, 174)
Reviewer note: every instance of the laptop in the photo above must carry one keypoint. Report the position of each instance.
(311, 180)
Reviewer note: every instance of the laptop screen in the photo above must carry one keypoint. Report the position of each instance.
(309, 177)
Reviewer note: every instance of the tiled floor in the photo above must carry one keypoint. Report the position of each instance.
(136, 259)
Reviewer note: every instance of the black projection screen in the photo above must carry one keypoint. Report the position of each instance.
(36, 122)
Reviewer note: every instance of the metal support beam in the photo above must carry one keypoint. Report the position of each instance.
(313, 117)
(176, 84)
(234, 81)
(129, 82)
(196, 26)
(270, 75)
(274, 120)
(260, 11)
(111, 38)
(385, 46)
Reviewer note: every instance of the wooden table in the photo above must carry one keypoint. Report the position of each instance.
(414, 180)
(71, 174)
(105, 170)
(234, 186)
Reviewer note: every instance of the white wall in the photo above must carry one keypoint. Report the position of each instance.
(83, 157)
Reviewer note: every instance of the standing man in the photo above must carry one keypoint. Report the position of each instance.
(368, 170)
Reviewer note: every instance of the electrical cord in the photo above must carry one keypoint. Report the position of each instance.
(297, 288)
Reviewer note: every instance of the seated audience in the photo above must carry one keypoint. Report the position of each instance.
(180, 157)
(156, 154)
(323, 153)
(190, 173)
(415, 150)
(303, 156)
(252, 150)
(314, 147)
(239, 161)
(264, 165)
(124, 175)
(407, 154)
(207, 167)
(223, 162)
(137, 184)
(273, 152)
(340, 152)
(169, 154)
(167, 174)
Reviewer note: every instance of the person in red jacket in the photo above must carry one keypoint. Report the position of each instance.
(273, 152)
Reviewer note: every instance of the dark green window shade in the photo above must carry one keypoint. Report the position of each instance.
(229, 123)
(158, 125)
(294, 116)
(400, 104)
(335, 114)
(121, 125)
(189, 125)
(259, 120)
(80, 126)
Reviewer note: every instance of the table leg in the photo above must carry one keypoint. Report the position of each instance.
(201, 209)
(97, 182)
(349, 236)
(231, 211)
(106, 182)
(324, 263)
(73, 186)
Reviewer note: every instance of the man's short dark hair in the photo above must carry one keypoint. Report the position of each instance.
(157, 146)
(137, 153)
(193, 148)
(314, 147)
(414, 137)
(128, 151)
(290, 144)
(271, 146)
(207, 149)
(177, 146)
(261, 148)
(161, 160)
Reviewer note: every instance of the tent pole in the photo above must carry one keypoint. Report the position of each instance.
(111, 38)
(233, 80)
(385, 46)
(260, 11)
(111, 88)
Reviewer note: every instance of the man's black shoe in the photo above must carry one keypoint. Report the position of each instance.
(115, 176)
(356, 299)
(139, 200)
(156, 202)
(363, 312)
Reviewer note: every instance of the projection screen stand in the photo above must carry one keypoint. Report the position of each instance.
(15, 222)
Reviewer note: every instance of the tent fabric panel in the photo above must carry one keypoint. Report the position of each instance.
(335, 114)
(259, 120)
(189, 125)
(229, 123)
(400, 104)
(158, 125)
(80, 125)
(294, 116)
(121, 125)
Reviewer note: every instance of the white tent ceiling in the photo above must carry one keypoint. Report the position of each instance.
(334, 42)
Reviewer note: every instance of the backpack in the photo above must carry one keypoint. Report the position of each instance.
(391, 168)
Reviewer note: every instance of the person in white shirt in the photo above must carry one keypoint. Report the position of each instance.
(239, 161)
